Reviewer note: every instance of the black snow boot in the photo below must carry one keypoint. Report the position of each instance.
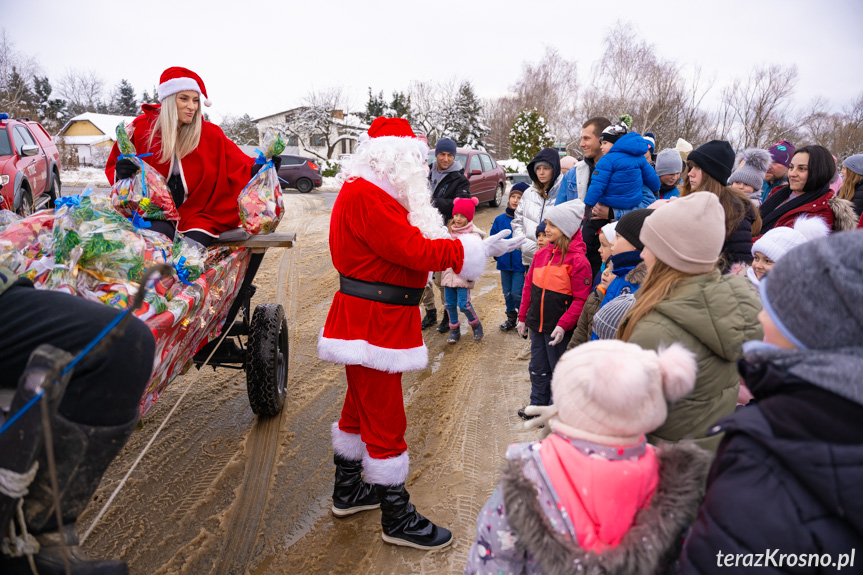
(403, 525)
(443, 326)
(351, 494)
(82, 453)
(511, 320)
(430, 318)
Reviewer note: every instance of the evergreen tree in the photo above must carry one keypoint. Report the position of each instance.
(469, 129)
(374, 107)
(400, 107)
(52, 112)
(529, 135)
(17, 98)
(242, 130)
(123, 101)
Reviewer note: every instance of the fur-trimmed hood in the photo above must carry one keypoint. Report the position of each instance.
(637, 275)
(652, 540)
(844, 217)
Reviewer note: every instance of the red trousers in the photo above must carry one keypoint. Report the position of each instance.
(374, 407)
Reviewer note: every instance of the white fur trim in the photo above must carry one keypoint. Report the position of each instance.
(392, 471)
(348, 445)
(175, 85)
(361, 352)
(474, 257)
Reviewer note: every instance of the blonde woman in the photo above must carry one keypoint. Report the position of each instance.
(852, 182)
(685, 299)
(205, 170)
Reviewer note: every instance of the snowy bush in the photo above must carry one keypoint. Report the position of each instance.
(529, 135)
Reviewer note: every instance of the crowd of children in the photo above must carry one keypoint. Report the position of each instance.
(638, 363)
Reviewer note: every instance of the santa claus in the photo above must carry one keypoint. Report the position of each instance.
(385, 238)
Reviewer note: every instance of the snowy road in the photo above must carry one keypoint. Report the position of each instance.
(222, 492)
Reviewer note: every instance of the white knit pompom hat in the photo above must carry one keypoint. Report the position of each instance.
(779, 241)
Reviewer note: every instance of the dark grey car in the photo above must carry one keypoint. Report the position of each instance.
(300, 173)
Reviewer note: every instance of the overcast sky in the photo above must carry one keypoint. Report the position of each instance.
(263, 57)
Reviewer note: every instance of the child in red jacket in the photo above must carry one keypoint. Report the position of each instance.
(555, 289)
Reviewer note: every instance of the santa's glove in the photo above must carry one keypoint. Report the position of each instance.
(497, 245)
(124, 169)
(543, 414)
(521, 328)
(277, 162)
(556, 336)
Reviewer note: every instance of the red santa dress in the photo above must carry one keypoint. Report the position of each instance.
(213, 174)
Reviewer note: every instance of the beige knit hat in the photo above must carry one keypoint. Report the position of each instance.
(611, 392)
(687, 233)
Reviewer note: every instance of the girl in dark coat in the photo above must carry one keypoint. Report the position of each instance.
(788, 471)
(708, 169)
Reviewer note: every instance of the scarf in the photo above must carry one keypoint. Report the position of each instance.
(775, 206)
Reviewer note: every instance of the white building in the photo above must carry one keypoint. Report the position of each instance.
(343, 131)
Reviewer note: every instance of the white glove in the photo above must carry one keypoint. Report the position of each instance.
(521, 329)
(496, 245)
(545, 413)
(556, 335)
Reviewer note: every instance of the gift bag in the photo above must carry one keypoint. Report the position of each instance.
(146, 193)
(260, 202)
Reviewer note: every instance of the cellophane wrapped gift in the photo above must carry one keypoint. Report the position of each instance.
(260, 202)
(146, 193)
(26, 245)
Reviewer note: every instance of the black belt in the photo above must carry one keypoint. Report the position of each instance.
(380, 292)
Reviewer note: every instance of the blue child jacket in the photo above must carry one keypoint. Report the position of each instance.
(619, 175)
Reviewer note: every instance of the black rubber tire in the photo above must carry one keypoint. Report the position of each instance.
(267, 360)
(304, 185)
(26, 206)
(54, 191)
(498, 197)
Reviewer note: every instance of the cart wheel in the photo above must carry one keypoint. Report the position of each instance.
(267, 359)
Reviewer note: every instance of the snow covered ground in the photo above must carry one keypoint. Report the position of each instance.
(82, 177)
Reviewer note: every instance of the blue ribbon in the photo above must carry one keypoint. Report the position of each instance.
(71, 201)
(265, 163)
(139, 222)
(182, 272)
(143, 174)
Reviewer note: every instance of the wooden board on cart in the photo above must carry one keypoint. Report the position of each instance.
(260, 243)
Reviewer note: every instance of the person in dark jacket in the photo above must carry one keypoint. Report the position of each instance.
(788, 471)
(808, 192)
(510, 266)
(852, 182)
(447, 182)
(710, 166)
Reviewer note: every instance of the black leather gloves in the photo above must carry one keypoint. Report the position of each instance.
(125, 168)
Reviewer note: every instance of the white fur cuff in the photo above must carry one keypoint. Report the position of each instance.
(360, 352)
(347, 445)
(392, 471)
(474, 257)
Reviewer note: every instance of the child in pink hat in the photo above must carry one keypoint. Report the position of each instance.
(594, 494)
(456, 289)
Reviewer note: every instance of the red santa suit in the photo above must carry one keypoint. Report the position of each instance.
(213, 174)
(372, 240)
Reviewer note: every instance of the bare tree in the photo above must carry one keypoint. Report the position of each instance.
(83, 89)
(17, 72)
(433, 108)
(322, 118)
(841, 133)
(757, 109)
(499, 115)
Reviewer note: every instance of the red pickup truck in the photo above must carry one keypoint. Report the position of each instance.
(29, 166)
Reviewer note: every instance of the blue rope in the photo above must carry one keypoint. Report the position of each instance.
(22, 411)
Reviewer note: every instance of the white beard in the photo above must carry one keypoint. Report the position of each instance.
(398, 166)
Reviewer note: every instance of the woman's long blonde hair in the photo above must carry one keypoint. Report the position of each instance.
(175, 139)
(662, 280)
(846, 192)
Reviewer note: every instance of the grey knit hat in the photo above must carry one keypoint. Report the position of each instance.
(814, 294)
(668, 161)
(566, 217)
(854, 163)
(608, 318)
(753, 164)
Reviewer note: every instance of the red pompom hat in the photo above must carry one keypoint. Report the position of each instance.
(177, 79)
(383, 126)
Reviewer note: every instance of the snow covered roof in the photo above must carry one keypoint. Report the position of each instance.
(86, 140)
(105, 123)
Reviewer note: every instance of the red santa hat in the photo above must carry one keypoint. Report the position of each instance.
(178, 79)
(398, 127)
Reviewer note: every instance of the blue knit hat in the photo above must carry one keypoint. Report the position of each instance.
(520, 187)
(540, 229)
(445, 145)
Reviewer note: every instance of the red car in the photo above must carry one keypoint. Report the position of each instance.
(487, 179)
(29, 166)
